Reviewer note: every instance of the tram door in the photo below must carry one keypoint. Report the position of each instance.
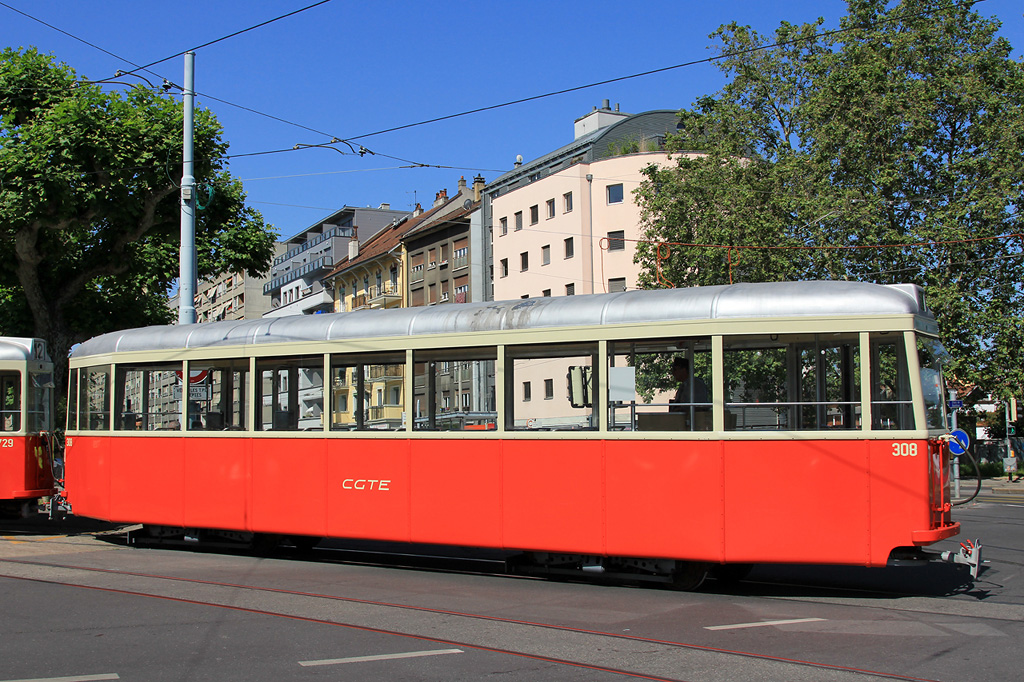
(823, 377)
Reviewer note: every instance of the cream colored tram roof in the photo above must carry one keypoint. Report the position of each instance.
(735, 301)
(14, 349)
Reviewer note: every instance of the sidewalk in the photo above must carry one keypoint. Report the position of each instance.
(991, 486)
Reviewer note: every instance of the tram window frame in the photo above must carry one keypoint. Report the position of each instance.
(476, 365)
(94, 398)
(229, 385)
(157, 392)
(284, 374)
(931, 358)
(352, 377)
(642, 387)
(10, 401)
(808, 382)
(73, 400)
(39, 401)
(892, 404)
(531, 363)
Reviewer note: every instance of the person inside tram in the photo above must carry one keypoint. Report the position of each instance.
(683, 397)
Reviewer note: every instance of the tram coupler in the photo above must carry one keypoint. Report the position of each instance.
(968, 555)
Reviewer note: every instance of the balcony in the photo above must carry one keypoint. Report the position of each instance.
(323, 264)
(380, 296)
(384, 372)
(359, 301)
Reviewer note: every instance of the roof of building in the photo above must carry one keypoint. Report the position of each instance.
(838, 299)
(594, 145)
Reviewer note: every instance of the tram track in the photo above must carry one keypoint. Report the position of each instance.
(482, 632)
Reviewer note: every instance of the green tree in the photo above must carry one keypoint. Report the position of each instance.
(904, 127)
(89, 212)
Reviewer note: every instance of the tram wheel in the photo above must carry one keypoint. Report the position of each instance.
(730, 574)
(689, 575)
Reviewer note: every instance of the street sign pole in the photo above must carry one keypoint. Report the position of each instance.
(956, 460)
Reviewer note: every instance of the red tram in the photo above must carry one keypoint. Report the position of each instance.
(26, 411)
(810, 432)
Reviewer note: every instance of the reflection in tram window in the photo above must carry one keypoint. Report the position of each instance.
(73, 400)
(148, 398)
(931, 357)
(93, 399)
(217, 395)
(38, 401)
(660, 385)
(796, 382)
(368, 392)
(10, 401)
(568, 370)
(290, 394)
(891, 401)
(453, 390)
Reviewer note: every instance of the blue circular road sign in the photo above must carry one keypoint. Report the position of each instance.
(961, 441)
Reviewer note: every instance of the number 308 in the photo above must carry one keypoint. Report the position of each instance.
(904, 449)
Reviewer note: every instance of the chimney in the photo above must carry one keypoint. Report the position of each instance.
(462, 183)
(385, 207)
(441, 197)
(418, 210)
(353, 248)
(519, 160)
(478, 187)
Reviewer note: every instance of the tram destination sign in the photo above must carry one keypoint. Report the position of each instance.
(198, 393)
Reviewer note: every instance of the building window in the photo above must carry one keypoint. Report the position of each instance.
(615, 194)
(545, 254)
(519, 220)
(569, 248)
(534, 214)
(546, 293)
(526, 391)
(524, 261)
(504, 226)
(567, 202)
(570, 289)
(551, 208)
(504, 267)
(616, 284)
(549, 389)
(617, 240)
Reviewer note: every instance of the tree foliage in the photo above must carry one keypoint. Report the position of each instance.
(904, 128)
(89, 212)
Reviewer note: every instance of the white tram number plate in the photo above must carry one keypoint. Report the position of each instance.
(904, 449)
(6, 442)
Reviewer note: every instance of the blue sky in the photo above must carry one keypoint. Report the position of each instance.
(351, 68)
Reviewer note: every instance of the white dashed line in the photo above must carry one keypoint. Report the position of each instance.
(382, 657)
(763, 623)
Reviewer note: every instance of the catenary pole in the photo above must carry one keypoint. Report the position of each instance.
(187, 267)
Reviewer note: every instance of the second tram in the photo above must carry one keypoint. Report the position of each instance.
(26, 409)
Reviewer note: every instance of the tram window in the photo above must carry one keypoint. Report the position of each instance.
(10, 401)
(93, 399)
(40, 397)
(218, 393)
(148, 398)
(931, 357)
(354, 378)
(795, 382)
(290, 394)
(470, 371)
(660, 385)
(73, 400)
(892, 406)
(568, 365)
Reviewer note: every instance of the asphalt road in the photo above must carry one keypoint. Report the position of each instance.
(76, 603)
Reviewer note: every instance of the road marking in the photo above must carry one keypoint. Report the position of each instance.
(382, 657)
(761, 624)
(73, 678)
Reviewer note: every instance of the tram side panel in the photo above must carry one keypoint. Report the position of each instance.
(87, 472)
(797, 502)
(368, 489)
(147, 478)
(289, 491)
(664, 499)
(553, 495)
(456, 492)
(216, 492)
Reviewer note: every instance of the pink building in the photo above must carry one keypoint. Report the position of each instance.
(566, 224)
